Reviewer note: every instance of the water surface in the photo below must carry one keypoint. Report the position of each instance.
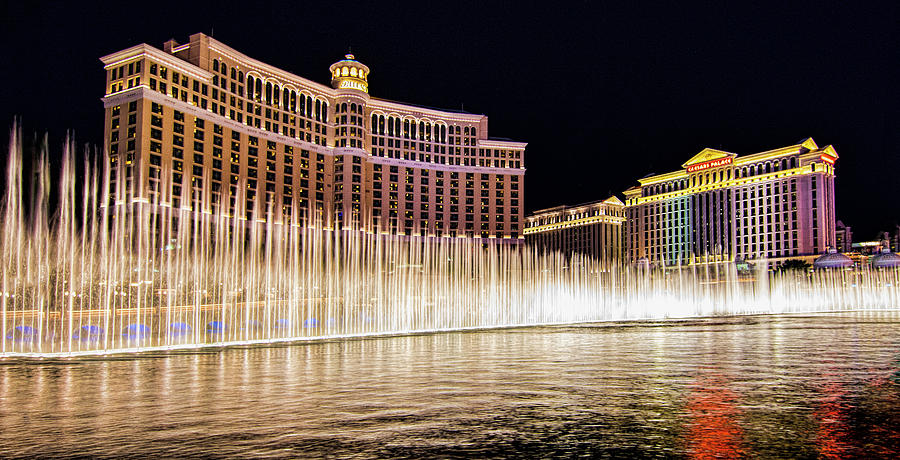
(772, 386)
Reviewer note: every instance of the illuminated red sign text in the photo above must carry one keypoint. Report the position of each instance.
(710, 164)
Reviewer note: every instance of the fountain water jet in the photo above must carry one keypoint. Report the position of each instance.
(174, 277)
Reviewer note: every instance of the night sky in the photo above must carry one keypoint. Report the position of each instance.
(603, 94)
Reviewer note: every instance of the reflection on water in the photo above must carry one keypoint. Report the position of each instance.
(713, 431)
(770, 386)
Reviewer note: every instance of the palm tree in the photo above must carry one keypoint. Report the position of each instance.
(794, 265)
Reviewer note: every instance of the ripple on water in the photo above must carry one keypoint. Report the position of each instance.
(767, 386)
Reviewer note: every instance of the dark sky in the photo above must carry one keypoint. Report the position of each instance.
(603, 94)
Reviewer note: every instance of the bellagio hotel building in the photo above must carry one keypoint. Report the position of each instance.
(193, 123)
(721, 207)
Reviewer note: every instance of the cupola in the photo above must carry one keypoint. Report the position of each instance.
(349, 73)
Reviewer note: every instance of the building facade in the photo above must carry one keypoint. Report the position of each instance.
(201, 126)
(843, 237)
(721, 207)
(591, 229)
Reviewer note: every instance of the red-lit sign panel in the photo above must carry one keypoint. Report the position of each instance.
(710, 164)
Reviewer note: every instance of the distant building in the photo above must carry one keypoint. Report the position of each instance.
(203, 127)
(893, 239)
(843, 237)
(886, 241)
(870, 248)
(721, 207)
(592, 229)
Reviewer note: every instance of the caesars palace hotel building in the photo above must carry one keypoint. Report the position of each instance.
(723, 207)
(209, 120)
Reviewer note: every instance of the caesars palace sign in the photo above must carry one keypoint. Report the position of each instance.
(710, 164)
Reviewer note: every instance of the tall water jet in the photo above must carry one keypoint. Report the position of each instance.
(107, 272)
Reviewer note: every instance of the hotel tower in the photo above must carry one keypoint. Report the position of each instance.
(721, 207)
(201, 126)
(590, 229)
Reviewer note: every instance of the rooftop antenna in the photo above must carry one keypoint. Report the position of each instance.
(212, 31)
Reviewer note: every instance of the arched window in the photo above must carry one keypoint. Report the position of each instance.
(286, 100)
(268, 93)
(258, 89)
(374, 126)
(473, 131)
(381, 124)
(293, 101)
(784, 164)
(309, 111)
(240, 76)
(406, 129)
(224, 69)
(768, 168)
(250, 87)
(215, 65)
(318, 110)
(325, 112)
(342, 108)
(275, 94)
(444, 134)
(233, 74)
(794, 162)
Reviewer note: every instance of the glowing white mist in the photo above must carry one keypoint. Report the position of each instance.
(105, 276)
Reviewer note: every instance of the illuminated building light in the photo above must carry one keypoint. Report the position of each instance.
(710, 164)
(720, 206)
(319, 138)
(351, 84)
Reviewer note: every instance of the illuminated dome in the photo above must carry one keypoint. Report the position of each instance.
(349, 73)
(833, 259)
(886, 259)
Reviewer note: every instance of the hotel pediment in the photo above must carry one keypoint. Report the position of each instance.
(708, 158)
(614, 200)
